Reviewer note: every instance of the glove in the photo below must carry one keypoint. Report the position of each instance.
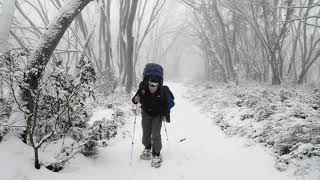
(163, 119)
(136, 99)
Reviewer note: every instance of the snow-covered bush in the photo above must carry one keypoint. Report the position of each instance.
(5, 111)
(60, 106)
(3, 131)
(106, 82)
(285, 119)
(263, 112)
(7, 78)
(103, 130)
(5, 108)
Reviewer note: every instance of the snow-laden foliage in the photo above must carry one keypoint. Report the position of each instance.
(106, 82)
(5, 109)
(107, 114)
(63, 107)
(9, 72)
(285, 119)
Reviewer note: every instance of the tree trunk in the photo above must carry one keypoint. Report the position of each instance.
(228, 58)
(122, 46)
(275, 70)
(301, 76)
(265, 66)
(84, 31)
(294, 47)
(107, 37)
(130, 42)
(36, 158)
(1, 89)
(295, 76)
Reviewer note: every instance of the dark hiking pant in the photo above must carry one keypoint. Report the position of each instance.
(151, 127)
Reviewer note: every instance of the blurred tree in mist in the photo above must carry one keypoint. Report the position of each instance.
(267, 40)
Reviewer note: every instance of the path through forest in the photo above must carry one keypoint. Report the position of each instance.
(206, 154)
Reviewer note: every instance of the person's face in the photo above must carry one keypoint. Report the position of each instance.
(153, 87)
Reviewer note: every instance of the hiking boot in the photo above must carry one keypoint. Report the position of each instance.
(146, 154)
(156, 161)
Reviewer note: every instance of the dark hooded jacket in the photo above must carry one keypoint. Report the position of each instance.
(153, 104)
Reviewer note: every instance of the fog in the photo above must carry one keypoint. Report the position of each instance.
(197, 40)
(172, 45)
(74, 75)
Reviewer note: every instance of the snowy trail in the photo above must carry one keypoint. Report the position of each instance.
(205, 154)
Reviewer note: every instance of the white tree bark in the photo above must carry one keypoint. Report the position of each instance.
(6, 16)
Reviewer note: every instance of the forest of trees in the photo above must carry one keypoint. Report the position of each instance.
(55, 54)
(266, 41)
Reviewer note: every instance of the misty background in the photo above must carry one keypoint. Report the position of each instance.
(68, 69)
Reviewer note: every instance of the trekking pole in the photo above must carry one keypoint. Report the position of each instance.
(134, 129)
(165, 128)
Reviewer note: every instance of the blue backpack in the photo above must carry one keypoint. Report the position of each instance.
(169, 96)
(156, 70)
(153, 70)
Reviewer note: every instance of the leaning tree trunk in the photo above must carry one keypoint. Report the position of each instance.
(42, 53)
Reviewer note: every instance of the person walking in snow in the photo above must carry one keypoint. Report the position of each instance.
(155, 109)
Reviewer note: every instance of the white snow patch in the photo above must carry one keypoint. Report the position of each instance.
(101, 114)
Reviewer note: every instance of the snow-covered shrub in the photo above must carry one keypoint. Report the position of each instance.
(5, 111)
(59, 152)
(251, 101)
(285, 119)
(90, 148)
(282, 163)
(299, 112)
(283, 143)
(246, 116)
(5, 108)
(284, 95)
(103, 130)
(62, 103)
(3, 131)
(106, 82)
(7, 77)
(305, 150)
(263, 112)
(59, 102)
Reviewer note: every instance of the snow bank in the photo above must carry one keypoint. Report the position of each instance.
(16, 158)
(284, 119)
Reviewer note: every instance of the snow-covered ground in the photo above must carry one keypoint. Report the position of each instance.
(285, 119)
(196, 149)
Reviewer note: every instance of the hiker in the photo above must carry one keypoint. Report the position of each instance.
(155, 109)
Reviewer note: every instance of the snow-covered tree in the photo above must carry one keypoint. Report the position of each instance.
(6, 15)
(38, 61)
